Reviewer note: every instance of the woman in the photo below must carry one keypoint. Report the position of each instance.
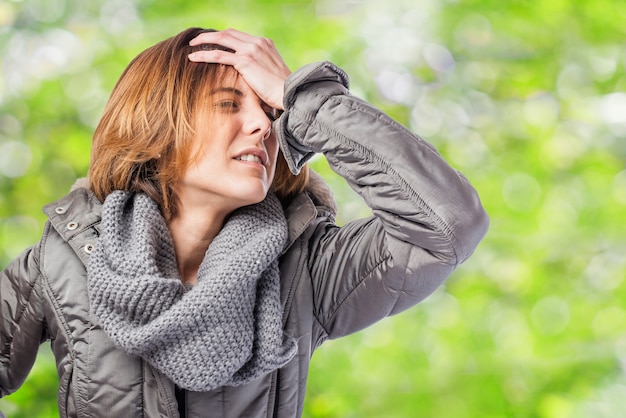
(200, 266)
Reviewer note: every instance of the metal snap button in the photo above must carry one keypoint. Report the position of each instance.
(88, 248)
(60, 210)
(72, 226)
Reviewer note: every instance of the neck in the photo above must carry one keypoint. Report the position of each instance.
(192, 232)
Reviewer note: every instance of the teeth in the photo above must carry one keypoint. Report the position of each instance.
(250, 157)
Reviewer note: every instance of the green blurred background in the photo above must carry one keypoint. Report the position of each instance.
(527, 98)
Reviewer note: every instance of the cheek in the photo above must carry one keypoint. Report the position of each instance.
(272, 151)
(272, 148)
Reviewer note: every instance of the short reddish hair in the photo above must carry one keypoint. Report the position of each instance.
(143, 142)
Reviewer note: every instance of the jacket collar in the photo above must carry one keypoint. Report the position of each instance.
(76, 217)
(317, 200)
(321, 193)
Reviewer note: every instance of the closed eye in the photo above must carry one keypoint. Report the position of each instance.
(226, 105)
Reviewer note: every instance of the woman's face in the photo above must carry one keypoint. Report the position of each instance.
(237, 159)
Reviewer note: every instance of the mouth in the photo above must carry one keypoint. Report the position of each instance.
(255, 156)
(249, 157)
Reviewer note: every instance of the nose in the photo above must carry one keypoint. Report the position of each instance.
(257, 123)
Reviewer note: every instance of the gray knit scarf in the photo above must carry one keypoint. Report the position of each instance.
(224, 331)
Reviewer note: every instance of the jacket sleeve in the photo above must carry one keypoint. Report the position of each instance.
(427, 218)
(22, 327)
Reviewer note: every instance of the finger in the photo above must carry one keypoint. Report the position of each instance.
(229, 38)
(262, 49)
(226, 35)
(216, 56)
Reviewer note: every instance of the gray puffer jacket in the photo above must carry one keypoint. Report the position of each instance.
(427, 219)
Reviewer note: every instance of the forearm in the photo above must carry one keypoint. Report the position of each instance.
(417, 195)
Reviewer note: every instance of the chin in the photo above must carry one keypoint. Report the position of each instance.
(255, 197)
(260, 198)
(246, 193)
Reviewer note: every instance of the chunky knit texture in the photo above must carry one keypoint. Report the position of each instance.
(227, 329)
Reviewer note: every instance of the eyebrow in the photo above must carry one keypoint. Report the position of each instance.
(226, 90)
